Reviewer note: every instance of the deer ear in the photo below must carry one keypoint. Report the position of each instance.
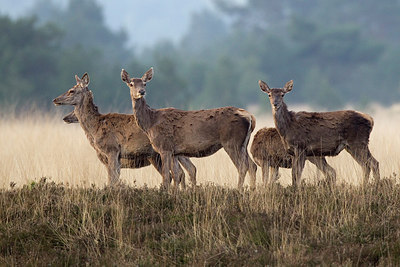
(264, 86)
(85, 80)
(148, 75)
(78, 80)
(288, 86)
(125, 76)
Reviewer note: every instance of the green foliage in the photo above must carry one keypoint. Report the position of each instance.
(28, 57)
(337, 52)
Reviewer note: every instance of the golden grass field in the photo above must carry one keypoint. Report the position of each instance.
(71, 222)
(42, 145)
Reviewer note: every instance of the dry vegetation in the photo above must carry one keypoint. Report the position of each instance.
(73, 219)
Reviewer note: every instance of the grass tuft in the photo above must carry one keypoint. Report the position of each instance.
(48, 223)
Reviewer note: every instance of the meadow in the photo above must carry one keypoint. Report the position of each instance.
(56, 209)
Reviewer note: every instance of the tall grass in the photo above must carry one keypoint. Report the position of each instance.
(50, 224)
(43, 145)
(70, 218)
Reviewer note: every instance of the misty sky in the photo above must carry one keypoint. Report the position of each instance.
(149, 20)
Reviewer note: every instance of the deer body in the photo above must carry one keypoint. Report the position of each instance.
(270, 154)
(200, 133)
(118, 141)
(321, 133)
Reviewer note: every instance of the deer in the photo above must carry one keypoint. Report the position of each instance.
(199, 133)
(319, 134)
(116, 138)
(269, 153)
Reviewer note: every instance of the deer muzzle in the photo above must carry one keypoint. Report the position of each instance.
(55, 101)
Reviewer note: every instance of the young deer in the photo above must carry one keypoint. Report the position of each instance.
(198, 133)
(269, 153)
(307, 134)
(117, 139)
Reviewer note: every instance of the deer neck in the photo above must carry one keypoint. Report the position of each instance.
(283, 119)
(144, 115)
(88, 115)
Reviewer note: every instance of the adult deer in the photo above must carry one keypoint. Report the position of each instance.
(198, 133)
(320, 134)
(270, 154)
(117, 139)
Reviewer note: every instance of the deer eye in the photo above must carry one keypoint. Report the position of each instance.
(132, 84)
(71, 91)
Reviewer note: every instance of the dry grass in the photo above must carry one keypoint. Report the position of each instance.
(49, 223)
(44, 146)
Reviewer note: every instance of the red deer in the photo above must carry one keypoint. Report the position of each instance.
(269, 153)
(117, 139)
(197, 133)
(308, 134)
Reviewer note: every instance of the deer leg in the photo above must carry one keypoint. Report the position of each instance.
(113, 168)
(265, 172)
(178, 174)
(325, 168)
(241, 162)
(166, 159)
(155, 160)
(252, 171)
(360, 155)
(274, 173)
(363, 157)
(102, 158)
(299, 160)
(375, 168)
(189, 166)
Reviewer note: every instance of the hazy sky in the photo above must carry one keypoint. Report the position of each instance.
(149, 20)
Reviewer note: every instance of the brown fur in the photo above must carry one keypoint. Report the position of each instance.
(117, 139)
(321, 133)
(193, 133)
(269, 153)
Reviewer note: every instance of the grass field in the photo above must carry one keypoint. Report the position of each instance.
(71, 218)
(44, 146)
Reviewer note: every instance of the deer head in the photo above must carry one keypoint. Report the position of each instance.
(75, 95)
(276, 94)
(137, 86)
(70, 118)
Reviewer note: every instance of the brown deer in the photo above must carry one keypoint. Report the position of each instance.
(197, 133)
(269, 153)
(308, 134)
(117, 139)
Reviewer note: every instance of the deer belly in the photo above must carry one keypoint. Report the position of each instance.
(136, 149)
(200, 151)
(325, 149)
(136, 161)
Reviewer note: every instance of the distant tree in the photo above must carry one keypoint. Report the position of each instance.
(376, 18)
(28, 60)
(205, 29)
(168, 87)
(83, 24)
(220, 85)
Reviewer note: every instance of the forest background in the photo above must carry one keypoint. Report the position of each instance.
(337, 52)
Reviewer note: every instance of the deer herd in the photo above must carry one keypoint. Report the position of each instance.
(168, 137)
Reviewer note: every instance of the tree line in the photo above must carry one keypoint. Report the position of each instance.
(336, 51)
